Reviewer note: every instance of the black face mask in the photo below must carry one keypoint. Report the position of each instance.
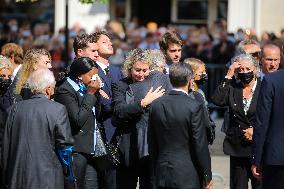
(4, 84)
(202, 80)
(246, 78)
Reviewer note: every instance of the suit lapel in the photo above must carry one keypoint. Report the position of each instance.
(238, 100)
(77, 94)
(105, 79)
(252, 107)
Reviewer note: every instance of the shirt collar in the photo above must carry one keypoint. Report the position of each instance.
(16, 70)
(102, 66)
(73, 84)
(181, 90)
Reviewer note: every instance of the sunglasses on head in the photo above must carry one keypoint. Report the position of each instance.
(255, 54)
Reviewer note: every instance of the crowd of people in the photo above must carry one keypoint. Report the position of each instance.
(144, 120)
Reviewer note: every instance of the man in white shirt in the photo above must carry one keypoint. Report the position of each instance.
(171, 45)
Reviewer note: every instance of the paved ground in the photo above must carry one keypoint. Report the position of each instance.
(220, 162)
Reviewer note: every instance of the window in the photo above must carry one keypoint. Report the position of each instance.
(222, 8)
(120, 9)
(192, 10)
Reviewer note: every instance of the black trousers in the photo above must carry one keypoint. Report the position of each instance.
(240, 173)
(85, 171)
(110, 179)
(273, 177)
(127, 178)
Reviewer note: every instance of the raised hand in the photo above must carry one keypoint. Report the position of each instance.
(152, 95)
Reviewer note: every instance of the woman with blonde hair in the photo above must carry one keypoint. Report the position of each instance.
(127, 113)
(33, 59)
(199, 72)
(200, 77)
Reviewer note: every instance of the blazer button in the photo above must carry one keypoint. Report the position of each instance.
(235, 115)
(239, 125)
(235, 104)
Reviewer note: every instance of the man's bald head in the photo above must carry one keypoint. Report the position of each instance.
(270, 59)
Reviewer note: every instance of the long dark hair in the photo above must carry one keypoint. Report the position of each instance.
(81, 66)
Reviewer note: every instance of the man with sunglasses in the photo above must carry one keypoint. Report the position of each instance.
(248, 46)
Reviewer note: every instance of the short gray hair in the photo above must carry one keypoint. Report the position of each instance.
(180, 74)
(158, 59)
(40, 79)
(243, 43)
(250, 59)
(5, 63)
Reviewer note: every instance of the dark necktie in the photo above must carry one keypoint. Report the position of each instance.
(107, 71)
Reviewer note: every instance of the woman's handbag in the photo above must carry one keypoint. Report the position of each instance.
(106, 155)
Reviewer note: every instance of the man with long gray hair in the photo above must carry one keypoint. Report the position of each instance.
(35, 128)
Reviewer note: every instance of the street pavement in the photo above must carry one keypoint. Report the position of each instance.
(220, 162)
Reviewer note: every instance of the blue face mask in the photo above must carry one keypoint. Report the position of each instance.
(83, 88)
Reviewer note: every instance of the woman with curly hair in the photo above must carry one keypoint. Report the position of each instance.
(126, 114)
(33, 59)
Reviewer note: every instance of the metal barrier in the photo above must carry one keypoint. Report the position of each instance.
(216, 74)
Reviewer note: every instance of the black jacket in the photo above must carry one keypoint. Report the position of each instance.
(178, 143)
(82, 119)
(230, 93)
(125, 117)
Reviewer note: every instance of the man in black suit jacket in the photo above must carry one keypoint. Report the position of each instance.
(268, 138)
(178, 143)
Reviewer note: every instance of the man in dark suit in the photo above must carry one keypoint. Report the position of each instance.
(108, 74)
(178, 144)
(268, 137)
(34, 131)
